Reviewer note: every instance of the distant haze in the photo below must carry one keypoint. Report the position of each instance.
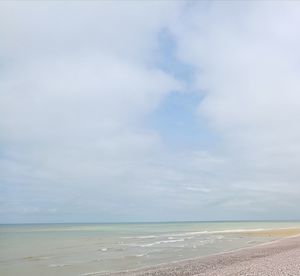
(149, 111)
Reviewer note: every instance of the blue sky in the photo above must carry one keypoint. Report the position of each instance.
(151, 111)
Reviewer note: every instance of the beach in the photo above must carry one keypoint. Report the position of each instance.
(177, 248)
(278, 258)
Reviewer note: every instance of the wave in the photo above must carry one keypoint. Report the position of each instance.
(227, 231)
(156, 243)
(205, 232)
(140, 237)
(58, 265)
(92, 273)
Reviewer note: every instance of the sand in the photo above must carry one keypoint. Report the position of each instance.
(276, 233)
(278, 258)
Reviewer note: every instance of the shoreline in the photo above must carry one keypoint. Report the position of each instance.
(285, 240)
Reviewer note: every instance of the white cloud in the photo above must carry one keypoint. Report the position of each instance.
(78, 79)
(246, 57)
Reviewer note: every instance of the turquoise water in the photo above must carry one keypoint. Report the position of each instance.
(93, 249)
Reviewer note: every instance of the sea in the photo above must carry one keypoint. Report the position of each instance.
(97, 249)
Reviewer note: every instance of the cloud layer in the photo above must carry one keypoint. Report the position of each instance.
(79, 82)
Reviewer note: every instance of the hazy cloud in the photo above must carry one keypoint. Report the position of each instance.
(79, 80)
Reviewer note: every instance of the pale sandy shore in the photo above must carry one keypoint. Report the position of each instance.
(278, 258)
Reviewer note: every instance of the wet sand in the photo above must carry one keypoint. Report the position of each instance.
(278, 258)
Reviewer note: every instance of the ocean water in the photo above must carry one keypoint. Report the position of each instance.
(95, 249)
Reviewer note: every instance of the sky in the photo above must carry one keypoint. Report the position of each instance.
(149, 111)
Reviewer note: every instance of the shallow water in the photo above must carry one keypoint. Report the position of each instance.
(92, 249)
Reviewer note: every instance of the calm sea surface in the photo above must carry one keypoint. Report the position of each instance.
(93, 249)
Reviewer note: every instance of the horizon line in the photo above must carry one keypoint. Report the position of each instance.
(155, 222)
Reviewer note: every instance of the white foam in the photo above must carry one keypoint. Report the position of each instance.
(91, 273)
(140, 237)
(205, 232)
(156, 243)
(218, 232)
(141, 255)
(58, 265)
(146, 237)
